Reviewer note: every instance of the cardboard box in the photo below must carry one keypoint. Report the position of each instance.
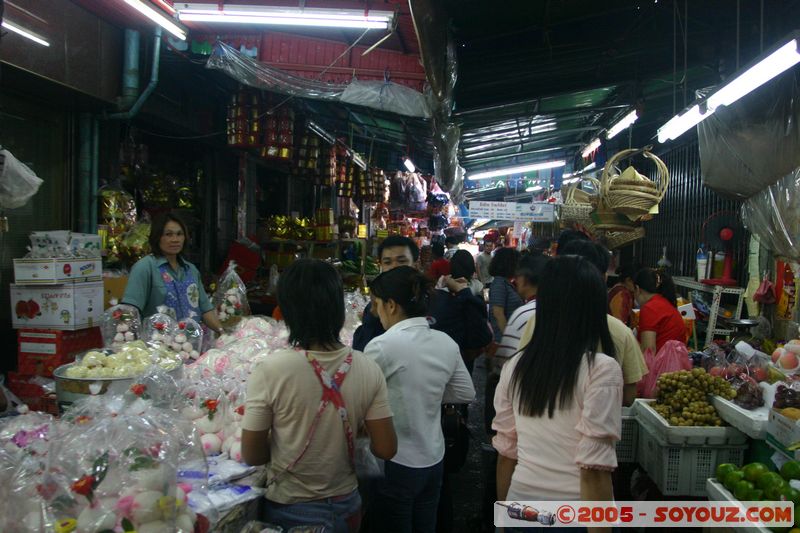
(40, 351)
(54, 271)
(783, 433)
(65, 307)
(113, 288)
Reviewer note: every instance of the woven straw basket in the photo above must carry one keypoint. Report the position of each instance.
(578, 206)
(631, 193)
(618, 239)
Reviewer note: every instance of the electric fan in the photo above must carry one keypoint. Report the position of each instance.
(723, 231)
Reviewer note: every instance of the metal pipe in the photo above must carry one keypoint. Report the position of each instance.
(95, 175)
(130, 70)
(127, 115)
(84, 171)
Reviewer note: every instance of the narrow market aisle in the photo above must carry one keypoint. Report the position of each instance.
(472, 513)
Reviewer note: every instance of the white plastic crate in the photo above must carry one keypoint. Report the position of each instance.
(682, 469)
(692, 435)
(752, 422)
(718, 493)
(626, 447)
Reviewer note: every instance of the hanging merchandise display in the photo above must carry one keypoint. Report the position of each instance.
(774, 215)
(261, 121)
(118, 214)
(786, 289)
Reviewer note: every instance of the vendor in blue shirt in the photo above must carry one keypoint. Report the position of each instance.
(165, 278)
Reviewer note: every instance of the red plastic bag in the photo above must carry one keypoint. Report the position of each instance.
(765, 294)
(672, 357)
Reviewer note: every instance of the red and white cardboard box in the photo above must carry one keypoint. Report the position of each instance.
(68, 307)
(53, 271)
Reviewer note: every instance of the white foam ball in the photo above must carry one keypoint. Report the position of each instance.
(206, 425)
(155, 526)
(226, 446)
(211, 444)
(175, 346)
(130, 336)
(194, 354)
(184, 523)
(150, 479)
(146, 508)
(119, 337)
(180, 337)
(101, 518)
(186, 346)
(236, 451)
(122, 328)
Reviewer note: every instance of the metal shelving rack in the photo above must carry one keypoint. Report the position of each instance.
(716, 291)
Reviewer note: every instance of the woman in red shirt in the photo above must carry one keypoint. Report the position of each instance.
(659, 318)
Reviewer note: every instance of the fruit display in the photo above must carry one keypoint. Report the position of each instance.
(786, 396)
(787, 357)
(748, 394)
(756, 482)
(682, 398)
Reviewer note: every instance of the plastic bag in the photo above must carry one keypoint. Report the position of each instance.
(230, 298)
(773, 214)
(18, 183)
(188, 340)
(120, 323)
(672, 357)
(367, 465)
(765, 294)
(206, 406)
(159, 329)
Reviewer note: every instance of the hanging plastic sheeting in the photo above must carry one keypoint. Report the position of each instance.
(753, 143)
(18, 183)
(774, 216)
(385, 96)
(441, 69)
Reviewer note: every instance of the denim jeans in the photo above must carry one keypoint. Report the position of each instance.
(340, 514)
(407, 498)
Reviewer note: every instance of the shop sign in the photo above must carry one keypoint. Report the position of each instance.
(533, 212)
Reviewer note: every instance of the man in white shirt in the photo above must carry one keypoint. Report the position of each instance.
(526, 280)
(482, 262)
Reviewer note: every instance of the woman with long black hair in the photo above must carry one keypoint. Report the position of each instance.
(558, 402)
(659, 318)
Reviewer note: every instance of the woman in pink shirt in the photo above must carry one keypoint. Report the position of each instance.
(558, 402)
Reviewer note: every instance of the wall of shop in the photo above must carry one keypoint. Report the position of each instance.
(686, 206)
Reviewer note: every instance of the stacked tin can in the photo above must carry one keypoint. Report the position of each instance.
(243, 122)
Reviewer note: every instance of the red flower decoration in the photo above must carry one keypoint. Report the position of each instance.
(240, 410)
(46, 491)
(159, 326)
(84, 485)
(237, 305)
(116, 315)
(138, 389)
(182, 325)
(211, 405)
(83, 419)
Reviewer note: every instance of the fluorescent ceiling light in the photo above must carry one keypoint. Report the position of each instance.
(517, 170)
(332, 18)
(409, 165)
(777, 62)
(28, 34)
(359, 161)
(327, 137)
(623, 124)
(159, 18)
(534, 188)
(678, 124)
(594, 145)
(572, 180)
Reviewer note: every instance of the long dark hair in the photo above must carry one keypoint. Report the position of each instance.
(311, 298)
(157, 231)
(656, 282)
(570, 323)
(407, 286)
(504, 263)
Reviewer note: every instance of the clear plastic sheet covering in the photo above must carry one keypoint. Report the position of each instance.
(753, 143)
(386, 96)
(438, 52)
(774, 216)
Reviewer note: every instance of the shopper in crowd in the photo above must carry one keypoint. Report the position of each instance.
(620, 296)
(483, 261)
(567, 236)
(557, 403)
(452, 244)
(462, 266)
(423, 369)
(440, 266)
(305, 405)
(393, 252)
(165, 278)
(659, 318)
(625, 347)
(529, 269)
(503, 297)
